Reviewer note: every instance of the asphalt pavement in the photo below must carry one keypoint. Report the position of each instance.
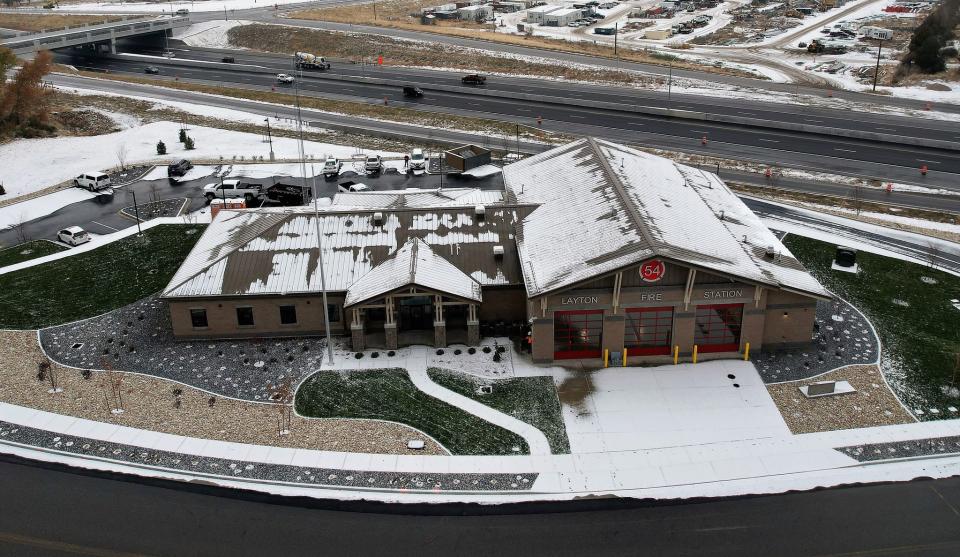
(899, 163)
(53, 511)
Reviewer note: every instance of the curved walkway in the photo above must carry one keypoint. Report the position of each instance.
(417, 369)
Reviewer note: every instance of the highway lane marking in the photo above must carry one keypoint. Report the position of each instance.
(846, 150)
(767, 140)
(105, 226)
(886, 129)
(816, 121)
(578, 117)
(522, 110)
(699, 131)
(931, 162)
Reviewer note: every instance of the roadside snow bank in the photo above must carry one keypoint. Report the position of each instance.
(209, 34)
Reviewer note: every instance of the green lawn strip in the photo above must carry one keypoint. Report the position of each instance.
(389, 394)
(529, 399)
(27, 251)
(919, 333)
(96, 281)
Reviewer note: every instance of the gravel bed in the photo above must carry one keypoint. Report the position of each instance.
(259, 471)
(165, 208)
(130, 175)
(139, 338)
(841, 336)
(874, 404)
(152, 403)
(872, 452)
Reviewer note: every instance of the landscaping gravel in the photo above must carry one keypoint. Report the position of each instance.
(841, 336)
(871, 452)
(234, 469)
(139, 338)
(165, 208)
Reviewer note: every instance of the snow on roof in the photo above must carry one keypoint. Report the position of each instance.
(413, 264)
(604, 206)
(545, 8)
(449, 197)
(563, 12)
(274, 250)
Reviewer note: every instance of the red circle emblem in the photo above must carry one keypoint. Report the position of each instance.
(653, 270)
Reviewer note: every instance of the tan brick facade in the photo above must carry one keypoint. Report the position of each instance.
(221, 314)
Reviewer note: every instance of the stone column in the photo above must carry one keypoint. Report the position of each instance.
(613, 329)
(542, 351)
(358, 337)
(390, 335)
(683, 323)
(473, 333)
(439, 334)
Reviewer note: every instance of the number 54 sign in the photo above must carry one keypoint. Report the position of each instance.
(652, 270)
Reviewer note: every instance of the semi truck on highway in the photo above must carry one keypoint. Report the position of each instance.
(308, 61)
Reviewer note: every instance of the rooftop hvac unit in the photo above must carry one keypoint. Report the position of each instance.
(480, 211)
(378, 218)
(498, 252)
(769, 252)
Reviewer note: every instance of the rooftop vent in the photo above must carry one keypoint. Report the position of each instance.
(480, 211)
(498, 252)
(769, 253)
(378, 218)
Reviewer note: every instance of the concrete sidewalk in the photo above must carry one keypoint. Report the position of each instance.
(767, 465)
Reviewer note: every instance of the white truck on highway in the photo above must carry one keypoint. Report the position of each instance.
(308, 61)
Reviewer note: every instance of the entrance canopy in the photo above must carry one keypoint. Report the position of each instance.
(414, 264)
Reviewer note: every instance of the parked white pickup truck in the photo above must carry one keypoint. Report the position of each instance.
(232, 189)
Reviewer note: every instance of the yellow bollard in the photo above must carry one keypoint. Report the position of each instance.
(676, 354)
(746, 352)
(694, 353)
(606, 357)
(624, 357)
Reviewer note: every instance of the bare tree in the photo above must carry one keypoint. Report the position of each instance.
(122, 156)
(46, 370)
(113, 388)
(282, 397)
(20, 228)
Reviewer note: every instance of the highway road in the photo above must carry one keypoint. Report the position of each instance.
(848, 156)
(52, 511)
(509, 87)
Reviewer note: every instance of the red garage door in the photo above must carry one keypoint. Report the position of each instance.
(648, 331)
(717, 328)
(576, 334)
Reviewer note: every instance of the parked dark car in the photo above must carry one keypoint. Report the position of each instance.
(473, 79)
(179, 168)
(228, 59)
(289, 195)
(151, 69)
(412, 92)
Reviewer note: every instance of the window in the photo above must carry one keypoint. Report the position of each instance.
(288, 315)
(576, 334)
(648, 331)
(334, 312)
(198, 318)
(245, 317)
(717, 328)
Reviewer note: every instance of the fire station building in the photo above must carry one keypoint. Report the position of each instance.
(594, 246)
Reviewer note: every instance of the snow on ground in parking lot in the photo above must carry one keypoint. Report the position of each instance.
(33, 164)
(12, 215)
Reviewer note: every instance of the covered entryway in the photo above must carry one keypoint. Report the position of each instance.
(717, 327)
(415, 314)
(577, 334)
(648, 331)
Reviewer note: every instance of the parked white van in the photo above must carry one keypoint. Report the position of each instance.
(93, 181)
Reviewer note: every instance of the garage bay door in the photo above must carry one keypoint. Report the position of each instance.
(577, 334)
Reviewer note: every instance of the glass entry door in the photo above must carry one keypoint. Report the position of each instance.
(416, 313)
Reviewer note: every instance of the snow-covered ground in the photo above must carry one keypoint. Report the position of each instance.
(26, 211)
(208, 34)
(119, 6)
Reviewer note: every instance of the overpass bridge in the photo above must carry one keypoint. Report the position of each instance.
(105, 34)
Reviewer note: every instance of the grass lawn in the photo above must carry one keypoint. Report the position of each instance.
(389, 394)
(909, 304)
(94, 282)
(27, 251)
(529, 399)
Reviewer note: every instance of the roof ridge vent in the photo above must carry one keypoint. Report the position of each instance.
(480, 211)
(769, 252)
(378, 218)
(498, 252)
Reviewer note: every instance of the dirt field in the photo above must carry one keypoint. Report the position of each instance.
(353, 47)
(361, 15)
(393, 11)
(41, 22)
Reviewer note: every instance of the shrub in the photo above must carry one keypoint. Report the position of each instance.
(188, 144)
(161, 148)
(486, 349)
(183, 135)
(358, 355)
(86, 374)
(496, 356)
(375, 355)
(391, 353)
(471, 350)
(440, 352)
(457, 352)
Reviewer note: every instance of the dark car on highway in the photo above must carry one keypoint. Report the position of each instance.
(228, 59)
(412, 92)
(151, 69)
(179, 168)
(473, 79)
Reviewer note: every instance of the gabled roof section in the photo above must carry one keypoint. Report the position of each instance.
(419, 198)
(605, 207)
(414, 264)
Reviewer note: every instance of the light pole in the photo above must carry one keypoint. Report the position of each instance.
(136, 211)
(669, 82)
(269, 138)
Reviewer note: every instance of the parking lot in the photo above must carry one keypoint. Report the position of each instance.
(102, 213)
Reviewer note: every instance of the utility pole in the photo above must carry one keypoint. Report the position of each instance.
(615, 36)
(136, 211)
(669, 82)
(518, 141)
(876, 71)
(374, 11)
(269, 138)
